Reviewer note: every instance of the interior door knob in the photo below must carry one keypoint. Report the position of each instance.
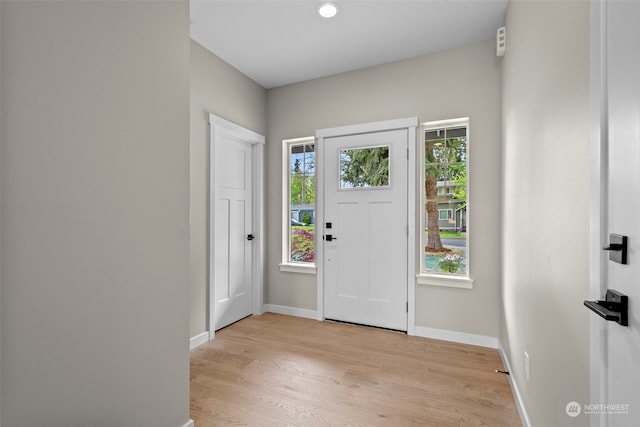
(614, 307)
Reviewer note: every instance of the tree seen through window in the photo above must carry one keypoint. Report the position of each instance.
(445, 190)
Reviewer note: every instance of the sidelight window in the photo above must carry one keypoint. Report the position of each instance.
(445, 212)
(299, 208)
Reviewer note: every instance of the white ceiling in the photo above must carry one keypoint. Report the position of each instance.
(278, 42)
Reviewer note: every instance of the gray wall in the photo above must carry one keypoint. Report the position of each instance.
(455, 83)
(216, 88)
(95, 213)
(545, 205)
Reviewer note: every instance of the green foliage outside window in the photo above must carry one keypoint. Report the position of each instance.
(302, 183)
(445, 165)
(364, 167)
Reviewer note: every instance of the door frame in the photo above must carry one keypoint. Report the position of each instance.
(219, 126)
(411, 125)
(598, 205)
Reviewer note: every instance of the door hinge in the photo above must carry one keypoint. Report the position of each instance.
(407, 154)
(407, 306)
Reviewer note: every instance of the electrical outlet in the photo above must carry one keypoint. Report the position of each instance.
(526, 365)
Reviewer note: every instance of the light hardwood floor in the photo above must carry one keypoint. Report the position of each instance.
(275, 370)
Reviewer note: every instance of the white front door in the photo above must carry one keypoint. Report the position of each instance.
(365, 228)
(620, 345)
(231, 234)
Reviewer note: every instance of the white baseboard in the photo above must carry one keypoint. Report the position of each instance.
(459, 337)
(514, 389)
(189, 423)
(291, 311)
(198, 340)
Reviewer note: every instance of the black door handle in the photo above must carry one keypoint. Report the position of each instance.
(614, 307)
(330, 238)
(250, 237)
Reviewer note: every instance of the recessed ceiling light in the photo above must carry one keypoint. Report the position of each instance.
(328, 10)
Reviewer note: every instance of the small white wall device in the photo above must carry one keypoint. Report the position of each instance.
(501, 41)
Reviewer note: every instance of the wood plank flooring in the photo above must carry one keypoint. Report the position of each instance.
(275, 370)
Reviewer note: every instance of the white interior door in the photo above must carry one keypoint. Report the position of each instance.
(232, 238)
(623, 343)
(365, 228)
(620, 345)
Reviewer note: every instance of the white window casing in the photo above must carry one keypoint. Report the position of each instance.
(436, 278)
(287, 265)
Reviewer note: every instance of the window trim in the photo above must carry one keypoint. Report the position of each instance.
(438, 279)
(285, 264)
(434, 279)
(298, 267)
